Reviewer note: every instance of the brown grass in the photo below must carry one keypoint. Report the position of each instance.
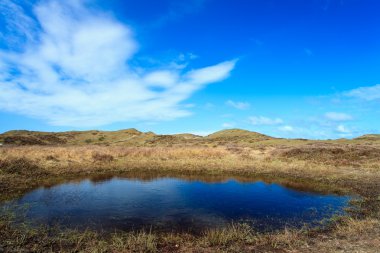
(348, 235)
(352, 167)
(337, 155)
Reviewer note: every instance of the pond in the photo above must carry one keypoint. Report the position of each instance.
(177, 205)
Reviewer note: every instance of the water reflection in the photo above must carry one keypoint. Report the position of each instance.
(175, 204)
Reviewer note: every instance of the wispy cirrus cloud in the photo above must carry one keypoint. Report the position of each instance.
(286, 128)
(238, 105)
(368, 93)
(228, 125)
(71, 69)
(261, 120)
(338, 116)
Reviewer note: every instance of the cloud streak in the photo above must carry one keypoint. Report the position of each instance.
(286, 128)
(264, 121)
(238, 105)
(336, 116)
(368, 93)
(73, 70)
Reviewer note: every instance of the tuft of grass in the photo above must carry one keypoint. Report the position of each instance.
(21, 166)
(234, 233)
(337, 155)
(15, 237)
(286, 239)
(348, 226)
(136, 242)
(98, 157)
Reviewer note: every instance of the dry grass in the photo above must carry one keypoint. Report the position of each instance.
(137, 242)
(337, 155)
(234, 233)
(354, 164)
(348, 235)
(340, 166)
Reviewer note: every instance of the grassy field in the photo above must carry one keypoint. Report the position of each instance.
(32, 159)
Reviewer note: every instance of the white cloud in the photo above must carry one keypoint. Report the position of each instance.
(163, 79)
(260, 120)
(367, 93)
(189, 105)
(228, 125)
(73, 70)
(342, 129)
(238, 105)
(336, 116)
(210, 74)
(203, 133)
(14, 28)
(286, 128)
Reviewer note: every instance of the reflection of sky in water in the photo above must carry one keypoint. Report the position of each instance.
(178, 205)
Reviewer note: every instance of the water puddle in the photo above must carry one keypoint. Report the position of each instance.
(177, 205)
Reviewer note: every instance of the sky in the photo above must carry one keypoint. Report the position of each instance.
(286, 68)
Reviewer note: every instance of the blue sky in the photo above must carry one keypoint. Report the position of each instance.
(294, 68)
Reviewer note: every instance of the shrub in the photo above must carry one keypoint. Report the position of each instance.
(20, 166)
(102, 157)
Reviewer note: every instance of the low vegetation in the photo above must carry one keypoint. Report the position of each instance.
(344, 166)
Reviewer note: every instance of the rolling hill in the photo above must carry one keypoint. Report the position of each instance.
(128, 137)
(133, 137)
(369, 137)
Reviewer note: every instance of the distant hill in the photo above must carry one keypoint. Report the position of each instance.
(238, 135)
(188, 136)
(133, 137)
(22, 137)
(128, 137)
(369, 137)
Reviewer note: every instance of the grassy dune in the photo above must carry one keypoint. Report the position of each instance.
(345, 166)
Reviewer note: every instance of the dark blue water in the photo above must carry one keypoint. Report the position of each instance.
(172, 204)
